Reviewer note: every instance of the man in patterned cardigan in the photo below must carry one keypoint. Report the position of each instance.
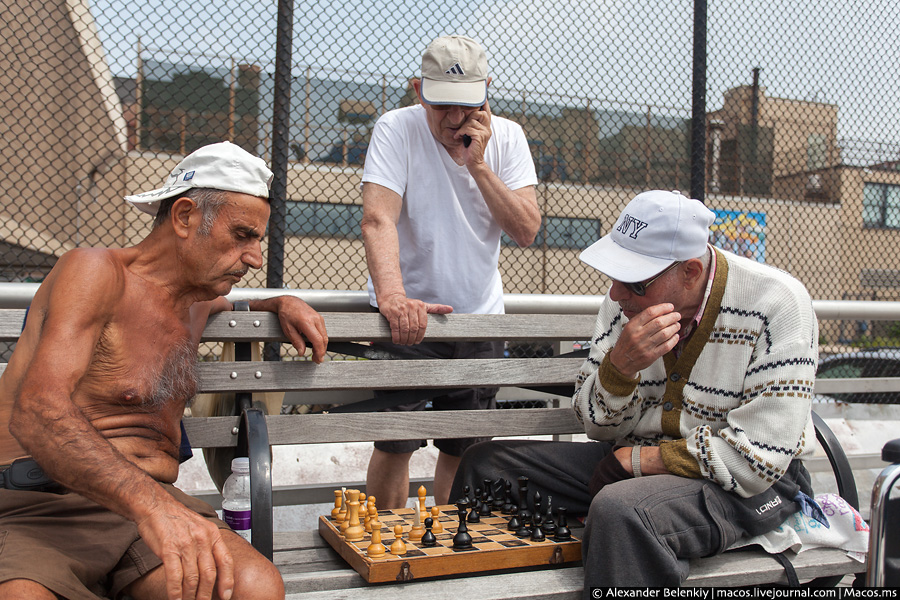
(698, 391)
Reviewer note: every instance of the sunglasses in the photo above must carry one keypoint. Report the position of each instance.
(640, 288)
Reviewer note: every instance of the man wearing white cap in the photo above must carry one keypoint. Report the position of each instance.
(698, 391)
(94, 393)
(442, 181)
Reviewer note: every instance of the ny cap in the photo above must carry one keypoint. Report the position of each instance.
(656, 229)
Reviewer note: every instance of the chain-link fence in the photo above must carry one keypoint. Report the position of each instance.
(102, 98)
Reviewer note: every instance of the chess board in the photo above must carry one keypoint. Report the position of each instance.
(493, 548)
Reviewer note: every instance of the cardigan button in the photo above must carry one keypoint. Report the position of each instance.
(674, 377)
(667, 406)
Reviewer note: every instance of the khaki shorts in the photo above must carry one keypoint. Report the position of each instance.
(75, 547)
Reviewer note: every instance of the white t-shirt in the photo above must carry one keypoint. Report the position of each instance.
(449, 242)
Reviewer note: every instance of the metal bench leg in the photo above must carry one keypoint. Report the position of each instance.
(885, 515)
(255, 435)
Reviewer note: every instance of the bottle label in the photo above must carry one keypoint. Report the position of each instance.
(239, 521)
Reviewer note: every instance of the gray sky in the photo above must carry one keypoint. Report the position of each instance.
(628, 52)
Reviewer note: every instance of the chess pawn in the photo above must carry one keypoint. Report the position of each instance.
(355, 531)
(485, 509)
(371, 516)
(338, 502)
(428, 538)
(364, 513)
(562, 526)
(537, 534)
(508, 507)
(435, 513)
(524, 530)
(398, 548)
(376, 549)
(514, 522)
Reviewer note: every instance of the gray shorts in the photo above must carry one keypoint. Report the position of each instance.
(468, 399)
(75, 547)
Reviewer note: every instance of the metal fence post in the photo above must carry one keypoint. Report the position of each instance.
(698, 104)
(281, 109)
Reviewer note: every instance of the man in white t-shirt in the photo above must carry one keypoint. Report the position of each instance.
(442, 180)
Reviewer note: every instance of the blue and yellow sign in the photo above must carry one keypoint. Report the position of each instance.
(741, 233)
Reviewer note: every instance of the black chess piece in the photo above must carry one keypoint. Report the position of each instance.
(476, 506)
(466, 490)
(428, 538)
(537, 534)
(537, 520)
(562, 526)
(523, 496)
(462, 539)
(499, 488)
(549, 527)
(508, 507)
(537, 503)
(514, 523)
(524, 529)
(485, 508)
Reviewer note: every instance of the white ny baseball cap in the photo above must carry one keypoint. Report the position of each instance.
(223, 166)
(454, 71)
(656, 229)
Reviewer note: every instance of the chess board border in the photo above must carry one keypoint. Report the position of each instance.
(392, 568)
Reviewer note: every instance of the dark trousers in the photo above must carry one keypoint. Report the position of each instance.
(638, 532)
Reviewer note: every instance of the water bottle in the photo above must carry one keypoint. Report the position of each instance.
(236, 498)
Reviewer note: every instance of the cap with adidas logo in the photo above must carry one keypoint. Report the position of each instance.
(454, 71)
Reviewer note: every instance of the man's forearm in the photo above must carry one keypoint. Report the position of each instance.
(382, 248)
(516, 212)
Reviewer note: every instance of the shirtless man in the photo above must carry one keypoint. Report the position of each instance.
(96, 388)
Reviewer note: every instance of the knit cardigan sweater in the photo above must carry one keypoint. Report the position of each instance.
(735, 406)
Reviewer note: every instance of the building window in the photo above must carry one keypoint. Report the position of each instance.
(881, 205)
(563, 232)
(322, 219)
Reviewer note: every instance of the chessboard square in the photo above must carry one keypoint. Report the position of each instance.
(479, 539)
(491, 532)
(512, 543)
(434, 550)
(413, 551)
(472, 548)
(491, 546)
(445, 536)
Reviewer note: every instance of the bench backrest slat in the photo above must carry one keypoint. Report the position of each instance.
(376, 375)
(263, 326)
(367, 427)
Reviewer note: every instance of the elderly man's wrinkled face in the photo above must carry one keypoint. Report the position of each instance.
(233, 245)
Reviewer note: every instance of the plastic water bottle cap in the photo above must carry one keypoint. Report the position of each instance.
(240, 465)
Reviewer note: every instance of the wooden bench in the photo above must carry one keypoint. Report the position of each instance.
(311, 568)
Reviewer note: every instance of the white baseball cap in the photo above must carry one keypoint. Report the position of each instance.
(223, 166)
(656, 229)
(454, 71)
